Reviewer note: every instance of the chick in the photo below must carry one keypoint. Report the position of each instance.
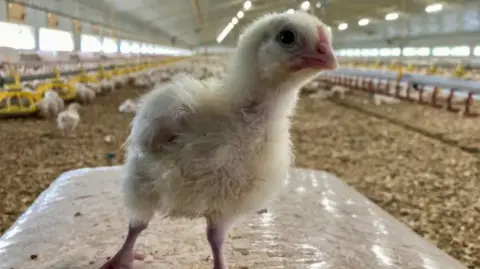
(128, 106)
(221, 150)
(85, 94)
(68, 119)
(51, 104)
(338, 91)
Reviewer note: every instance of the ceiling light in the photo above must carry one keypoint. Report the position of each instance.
(342, 26)
(224, 32)
(240, 14)
(318, 5)
(391, 16)
(434, 8)
(290, 11)
(363, 22)
(247, 5)
(305, 5)
(234, 20)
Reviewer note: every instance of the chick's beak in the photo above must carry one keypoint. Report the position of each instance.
(320, 57)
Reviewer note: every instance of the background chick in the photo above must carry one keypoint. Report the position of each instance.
(68, 119)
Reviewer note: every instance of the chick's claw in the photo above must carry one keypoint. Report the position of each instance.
(123, 261)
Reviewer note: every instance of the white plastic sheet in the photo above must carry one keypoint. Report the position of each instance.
(318, 222)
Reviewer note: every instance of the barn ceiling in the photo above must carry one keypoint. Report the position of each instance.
(194, 23)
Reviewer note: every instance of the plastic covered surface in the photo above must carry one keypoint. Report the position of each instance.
(319, 222)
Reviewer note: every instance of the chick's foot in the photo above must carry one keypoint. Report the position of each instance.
(123, 261)
(125, 256)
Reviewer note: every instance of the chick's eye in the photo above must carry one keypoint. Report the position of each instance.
(287, 38)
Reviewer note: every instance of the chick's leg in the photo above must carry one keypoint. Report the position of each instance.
(216, 233)
(140, 209)
(124, 258)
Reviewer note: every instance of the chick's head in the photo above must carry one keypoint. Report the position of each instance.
(288, 45)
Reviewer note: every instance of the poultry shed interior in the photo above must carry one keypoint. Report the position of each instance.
(327, 134)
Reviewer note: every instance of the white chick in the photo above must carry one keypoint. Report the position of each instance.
(109, 139)
(107, 85)
(379, 99)
(120, 81)
(68, 119)
(85, 94)
(222, 150)
(51, 104)
(338, 91)
(164, 77)
(128, 106)
(96, 86)
(311, 87)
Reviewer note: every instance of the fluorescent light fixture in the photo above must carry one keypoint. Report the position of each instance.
(434, 8)
(247, 5)
(408, 51)
(369, 52)
(441, 51)
(461, 51)
(305, 5)
(476, 52)
(396, 52)
(290, 11)
(318, 5)
(225, 32)
(234, 20)
(423, 51)
(363, 22)
(385, 52)
(391, 16)
(240, 14)
(342, 26)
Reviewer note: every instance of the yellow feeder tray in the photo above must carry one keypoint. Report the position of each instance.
(15, 103)
(459, 71)
(399, 73)
(16, 85)
(122, 71)
(87, 79)
(410, 68)
(102, 74)
(433, 69)
(65, 90)
(393, 66)
(115, 71)
(83, 77)
(127, 70)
